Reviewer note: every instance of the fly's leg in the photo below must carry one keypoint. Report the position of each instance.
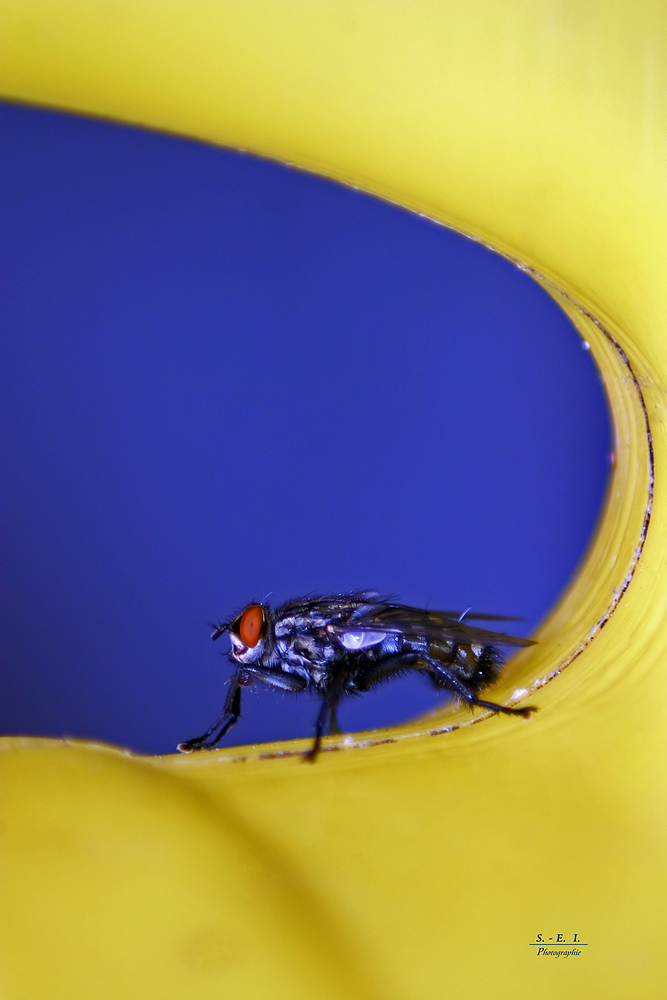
(525, 713)
(334, 728)
(332, 696)
(449, 680)
(223, 724)
(328, 708)
(232, 709)
(319, 732)
(279, 679)
(442, 675)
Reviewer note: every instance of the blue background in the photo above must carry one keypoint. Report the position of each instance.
(222, 378)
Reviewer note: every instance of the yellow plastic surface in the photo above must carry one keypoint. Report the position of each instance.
(418, 862)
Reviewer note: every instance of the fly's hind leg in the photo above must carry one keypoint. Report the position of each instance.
(525, 713)
(446, 678)
(443, 677)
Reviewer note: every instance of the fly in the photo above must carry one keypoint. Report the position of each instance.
(343, 645)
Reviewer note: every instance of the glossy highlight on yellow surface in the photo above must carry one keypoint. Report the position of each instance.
(419, 861)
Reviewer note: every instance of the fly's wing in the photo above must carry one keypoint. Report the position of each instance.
(470, 614)
(432, 626)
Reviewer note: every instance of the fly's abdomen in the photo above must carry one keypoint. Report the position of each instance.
(479, 666)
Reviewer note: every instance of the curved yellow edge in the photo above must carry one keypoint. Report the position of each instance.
(416, 862)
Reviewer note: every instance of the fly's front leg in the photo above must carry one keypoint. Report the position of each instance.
(230, 716)
(277, 679)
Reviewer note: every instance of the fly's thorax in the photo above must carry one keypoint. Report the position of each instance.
(304, 650)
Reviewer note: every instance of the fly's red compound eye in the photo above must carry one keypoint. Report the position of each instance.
(250, 626)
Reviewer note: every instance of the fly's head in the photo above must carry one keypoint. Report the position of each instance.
(250, 634)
